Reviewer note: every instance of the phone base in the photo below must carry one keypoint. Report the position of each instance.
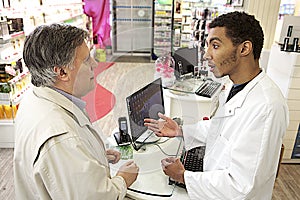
(121, 141)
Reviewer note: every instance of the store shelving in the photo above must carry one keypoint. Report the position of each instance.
(29, 14)
(34, 14)
(288, 80)
(9, 103)
(162, 29)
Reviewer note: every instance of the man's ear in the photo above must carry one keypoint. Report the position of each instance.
(61, 73)
(246, 48)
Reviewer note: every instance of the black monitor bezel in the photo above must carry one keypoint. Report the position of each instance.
(158, 82)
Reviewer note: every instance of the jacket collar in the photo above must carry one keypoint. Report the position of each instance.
(60, 100)
(227, 109)
(77, 101)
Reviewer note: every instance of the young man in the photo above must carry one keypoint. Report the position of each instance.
(243, 139)
(58, 154)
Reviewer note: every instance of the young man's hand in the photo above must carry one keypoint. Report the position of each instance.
(173, 168)
(164, 127)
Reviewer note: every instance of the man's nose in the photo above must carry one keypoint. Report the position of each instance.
(206, 56)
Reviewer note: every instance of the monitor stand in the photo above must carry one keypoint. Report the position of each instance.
(147, 137)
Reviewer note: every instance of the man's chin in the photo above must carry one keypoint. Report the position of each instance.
(215, 73)
(212, 69)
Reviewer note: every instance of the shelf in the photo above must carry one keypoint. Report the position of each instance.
(6, 122)
(64, 18)
(7, 134)
(130, 7)
(4, 98)
(163, 10)
(186, 15)
(163, 30)
(13, 35)
(163, 22)
(15, 57)
(161, 45)
(163, 16)
(17, 98)
(37, 9)
(17, 89)
(162, 38)
(68, 11)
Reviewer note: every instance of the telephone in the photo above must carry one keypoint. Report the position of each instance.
(122, 137)
(192, 160)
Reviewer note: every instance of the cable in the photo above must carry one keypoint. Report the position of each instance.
(153, 194)
(137, 147)
(164, 151)
(167, 139)
(187, 92)
(173, 185)
(158, 145)
(142, 143)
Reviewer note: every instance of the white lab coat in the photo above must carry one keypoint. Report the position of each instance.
(58, 155)
(243, 142)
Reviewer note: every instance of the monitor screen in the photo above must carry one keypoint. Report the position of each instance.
(144, 103)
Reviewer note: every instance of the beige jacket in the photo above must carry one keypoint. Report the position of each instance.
(58, 155)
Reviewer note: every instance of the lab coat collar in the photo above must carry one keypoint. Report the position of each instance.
(228, 108)
(62, 101)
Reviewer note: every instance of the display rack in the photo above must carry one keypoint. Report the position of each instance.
(195, 17)
(162, 29)
(18, 19)
(288, 80)
(9, 103)
(186, 26)
(190, 15)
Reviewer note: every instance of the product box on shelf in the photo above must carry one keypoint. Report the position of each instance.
(8, 112)
(11, 93)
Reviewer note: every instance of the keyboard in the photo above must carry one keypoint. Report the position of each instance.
(192, 161)
(208, 88)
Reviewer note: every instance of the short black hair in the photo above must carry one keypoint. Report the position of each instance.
(239, 27)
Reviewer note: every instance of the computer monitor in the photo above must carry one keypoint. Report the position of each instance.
(147, 102)
(185, 60)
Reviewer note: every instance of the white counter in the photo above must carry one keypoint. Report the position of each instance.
(189, 106)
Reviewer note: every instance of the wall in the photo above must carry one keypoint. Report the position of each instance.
(297, 8)
(267, 13)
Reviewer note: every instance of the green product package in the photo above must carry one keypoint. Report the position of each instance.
(126, 152)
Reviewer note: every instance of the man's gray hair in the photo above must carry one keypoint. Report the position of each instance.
(49, 46)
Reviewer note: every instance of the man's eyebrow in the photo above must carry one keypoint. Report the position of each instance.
(212, 39)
